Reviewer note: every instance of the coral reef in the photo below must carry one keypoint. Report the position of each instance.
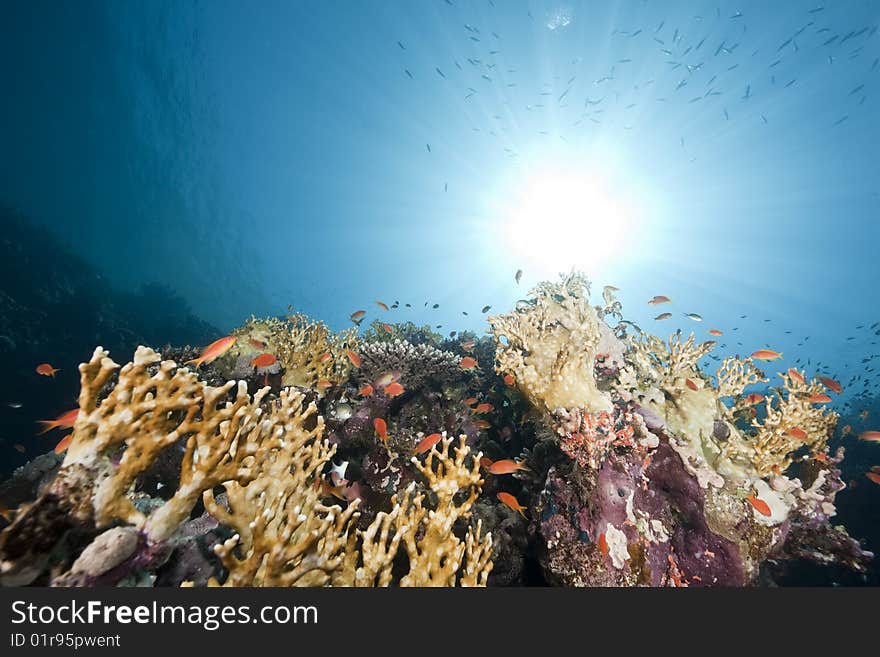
(612, 459)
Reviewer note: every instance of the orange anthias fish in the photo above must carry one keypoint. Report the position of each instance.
(658, 299)
(485, 462)
(470, 401)
(366, 391)
(427, 443)
(766, 354)
(353, 357)
(510, 501)
(819, 399)
(263, 360)
(759, 505)
(382, 305)
(506, 466)
(323, 384)
(831, 384)
(690, 383)
(509, 380)
(603, 544)
(873, 476)
(715, 332)
(358, 315)
(45, 369)
(797, 432)
(381, 429)
(393, 389)
(387, 328)
(64, 443)
(325, 357)
(63, 421)
(213, 351)
(483, 408)
(796, 376)
(482, 424)
(257, 344)
(754, 398)
(870, 436)
(468, 363)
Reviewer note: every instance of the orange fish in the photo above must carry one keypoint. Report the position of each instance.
(257, 344)
(873, 476)
(847, 429)
(213, 351)
(323, 384)
(381, 429)
(483, 408)
(821, 456)
(485, 462)
(766, 354)
(263, 360)
(366, 391)
(506, 466)
(831, 384)
(482, 424)
(64, 443)
(510, 501)
(715, 332)
(325, 357)
(796, 376)
(393, 389)
(658, 299)
(427, 443)
(871, 436)
(358, 315)
(691, 384)
(819, 399)
(382, 305)
(798, 433)
(603, 544)
(467, 363)
(467, 346)
(760, 505)
(470, 401)
(387, 328)
(63, 421)
(754, 398)
(509, 380)
(353, 357)
(45, 369)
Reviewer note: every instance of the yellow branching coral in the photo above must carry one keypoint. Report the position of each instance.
(152, 405)
(792, 422)
(284, 535)
(736, 374)
(308, 351)
(435, 553)
(550, 346)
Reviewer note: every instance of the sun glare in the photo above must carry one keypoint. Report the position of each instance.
(565, 220)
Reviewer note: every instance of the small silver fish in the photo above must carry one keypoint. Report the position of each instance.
(694, 316)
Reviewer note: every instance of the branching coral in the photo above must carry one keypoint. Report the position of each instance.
(550, 346)
(792, 423)
(144, 413)
(736, 374)
(284, 535)
(307, 351)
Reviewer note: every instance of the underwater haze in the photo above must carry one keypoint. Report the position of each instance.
(171, 168)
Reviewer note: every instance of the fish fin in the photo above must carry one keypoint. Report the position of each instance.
(47, 425)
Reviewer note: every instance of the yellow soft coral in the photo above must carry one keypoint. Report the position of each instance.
(550, 347)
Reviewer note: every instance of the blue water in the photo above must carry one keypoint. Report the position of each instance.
(251, 157)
